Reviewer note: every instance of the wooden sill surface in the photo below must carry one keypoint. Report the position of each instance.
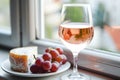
(4, 56)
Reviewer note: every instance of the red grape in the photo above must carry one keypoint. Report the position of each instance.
(46, 65)
(60, 50)
(39, 61)
(47, 56)
(34, 68)
(59, 58)
(41, 70)
(47, 50)
(54, 53)
(55, 67)
(64, 59)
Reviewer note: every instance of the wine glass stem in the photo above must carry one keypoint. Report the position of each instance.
(75, 59)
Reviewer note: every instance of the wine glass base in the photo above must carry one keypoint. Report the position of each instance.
(75, 77)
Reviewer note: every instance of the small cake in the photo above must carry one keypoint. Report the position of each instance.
(22, 58)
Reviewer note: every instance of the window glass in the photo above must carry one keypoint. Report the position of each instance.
(105, 17)
(5, 16)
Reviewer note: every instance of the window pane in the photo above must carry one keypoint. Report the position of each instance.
(52, 18)
(105, 16)
(5, 16)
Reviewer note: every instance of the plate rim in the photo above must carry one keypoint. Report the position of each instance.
(30, 74)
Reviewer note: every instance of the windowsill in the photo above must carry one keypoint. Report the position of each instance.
(92, 75)
(94, 61)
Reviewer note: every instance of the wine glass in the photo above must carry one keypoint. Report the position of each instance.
(76, 31)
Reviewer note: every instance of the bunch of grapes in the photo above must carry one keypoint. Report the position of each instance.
(50, 61)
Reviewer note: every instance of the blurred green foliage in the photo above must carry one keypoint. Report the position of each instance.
(4, 3)
(74, 14)
(5, 14)
(49, 32)
(98, 16)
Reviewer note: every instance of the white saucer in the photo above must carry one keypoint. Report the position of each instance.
(6, 67)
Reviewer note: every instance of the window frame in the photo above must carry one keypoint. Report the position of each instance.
(13, 39)
(95, 60)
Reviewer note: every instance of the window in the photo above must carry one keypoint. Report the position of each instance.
(103, 18)
(5, 17)
(9, 23)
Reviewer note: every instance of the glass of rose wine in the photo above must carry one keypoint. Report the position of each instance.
(76, 31)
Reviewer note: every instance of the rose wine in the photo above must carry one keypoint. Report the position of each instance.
(76, 35)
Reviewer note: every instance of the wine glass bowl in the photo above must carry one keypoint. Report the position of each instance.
(76, 32)
(75, 36)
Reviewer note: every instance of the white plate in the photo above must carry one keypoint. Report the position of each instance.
(6, 67)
